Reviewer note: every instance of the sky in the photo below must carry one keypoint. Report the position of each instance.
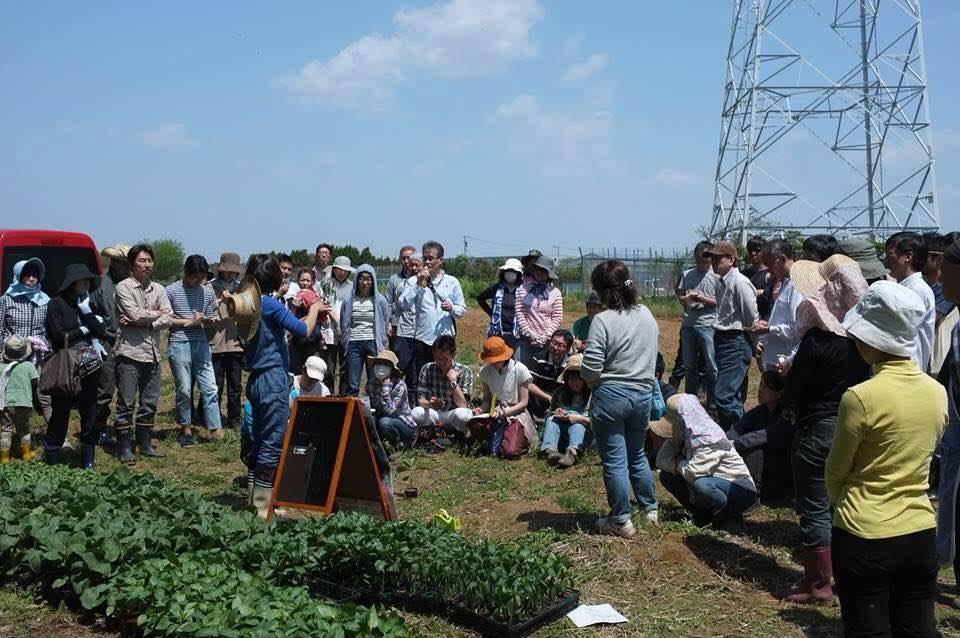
(259, 126)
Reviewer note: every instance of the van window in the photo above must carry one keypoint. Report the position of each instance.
(55, 258)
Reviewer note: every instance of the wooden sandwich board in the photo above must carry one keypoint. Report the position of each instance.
(328, 462)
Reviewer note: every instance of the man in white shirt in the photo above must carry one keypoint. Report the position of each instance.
(779, 338)
(906, 258)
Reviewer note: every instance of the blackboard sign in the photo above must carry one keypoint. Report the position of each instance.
(329, 460)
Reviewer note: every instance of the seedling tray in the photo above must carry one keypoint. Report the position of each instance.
(333, 592)
(488, 627)
(427, 604)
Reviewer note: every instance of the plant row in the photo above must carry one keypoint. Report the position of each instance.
(120, 541)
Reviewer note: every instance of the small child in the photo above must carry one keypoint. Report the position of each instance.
(388, 399)
(569, 418)
(18, 396)
(310, 382)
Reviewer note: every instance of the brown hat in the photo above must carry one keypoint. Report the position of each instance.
(721, 248)
(495, 350)
(670, 423)
(388, 357)
(229, 262)
(117, 251)
(808, 276)
(574, 363)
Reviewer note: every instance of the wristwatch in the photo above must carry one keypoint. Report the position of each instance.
(454, 385)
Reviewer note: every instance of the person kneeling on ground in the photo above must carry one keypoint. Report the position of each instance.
(388, 398)
(568, 418)
(443, 391)
(699, 466)
(309, 383)
(763, 437)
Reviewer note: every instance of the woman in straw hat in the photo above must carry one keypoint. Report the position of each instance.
(619, 366)
(388, 399)
(267, 362)
(568, 417)
(884, 528)
(826, 364)
(700, 467)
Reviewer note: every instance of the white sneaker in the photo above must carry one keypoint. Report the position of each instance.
(651, 518)
(625, 530)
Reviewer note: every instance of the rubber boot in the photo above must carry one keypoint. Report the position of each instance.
(51, 457)
(4, 457)
(107, 436)
(817, 576)
(144, 436)
(27, 453)
(87, 453)
(260, 498)
(125, 446)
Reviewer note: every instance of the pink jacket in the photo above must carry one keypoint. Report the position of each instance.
(539, 318)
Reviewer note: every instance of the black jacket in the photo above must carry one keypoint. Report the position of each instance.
(64, 318)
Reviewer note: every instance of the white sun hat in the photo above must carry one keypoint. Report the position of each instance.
(887, 318)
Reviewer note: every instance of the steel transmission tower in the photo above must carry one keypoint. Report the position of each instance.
(826, 123)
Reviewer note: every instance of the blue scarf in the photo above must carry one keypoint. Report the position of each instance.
(33, 294)
(540, 291)
(495, 329)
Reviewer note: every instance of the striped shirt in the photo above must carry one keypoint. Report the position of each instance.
(185, 302)
(361, 321)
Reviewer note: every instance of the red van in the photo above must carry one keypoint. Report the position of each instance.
(55, 248)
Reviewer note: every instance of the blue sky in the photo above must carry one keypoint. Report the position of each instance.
(253, 127)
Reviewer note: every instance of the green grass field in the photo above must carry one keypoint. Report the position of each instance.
(671, 580)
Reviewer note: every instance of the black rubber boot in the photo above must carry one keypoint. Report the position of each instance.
(51, 457)
(125, 446)
(144, 435)
(87, 453)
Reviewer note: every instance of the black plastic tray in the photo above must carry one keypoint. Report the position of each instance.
(489, 627)
(333, 592)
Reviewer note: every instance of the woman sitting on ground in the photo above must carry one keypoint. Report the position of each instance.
(388, 399)
(884, 527)
(700, 467)
(505, 386)
(569, 420)
(503, 294)
(763, 437)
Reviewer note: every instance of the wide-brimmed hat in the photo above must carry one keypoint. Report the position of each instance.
(229, 262)
(75, 273)
(574, 363)
(547, 264)
(593, 299)
(865, 254)
(495, 350)
(670, 423)
(16, 348)
(388, 357)
(315, 367)
(117, 251)
(343, 263)
(512, 264)
(888, 318)
(533, 255)
(243, 306)
(808, 276)
(722, 248)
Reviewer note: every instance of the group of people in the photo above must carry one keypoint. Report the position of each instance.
(848, 350)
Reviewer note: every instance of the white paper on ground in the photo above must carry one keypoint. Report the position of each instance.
(585, 615)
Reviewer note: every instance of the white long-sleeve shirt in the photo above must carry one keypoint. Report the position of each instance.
(782, 338)
(916, 283)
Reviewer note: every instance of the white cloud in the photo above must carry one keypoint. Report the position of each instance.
(563, 143)
(169, 137)
(587, 69)
(571, 47)
(674, 177)
(455, 38)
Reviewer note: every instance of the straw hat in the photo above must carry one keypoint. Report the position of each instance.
(495, 350)
(16, 349)
(808, 276)
(574, 363)
(671, 421)
(117, 251)
(388, 357)
(243, 306)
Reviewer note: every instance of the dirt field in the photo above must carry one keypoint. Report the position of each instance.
(673, 580)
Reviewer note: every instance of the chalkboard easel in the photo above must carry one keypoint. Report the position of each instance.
(328, 463)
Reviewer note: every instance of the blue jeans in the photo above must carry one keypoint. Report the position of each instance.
(709, 496)
(619, 415)
(191, 361)
(557, 431)
(269, 397)
(811, 445)
(697, 341)
(356, 358)
(734, 353)
(395, 431)
(406, 350)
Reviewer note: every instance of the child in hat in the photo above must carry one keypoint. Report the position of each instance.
(18, 396)
(388, 399)
(309, 383)
(568, 418)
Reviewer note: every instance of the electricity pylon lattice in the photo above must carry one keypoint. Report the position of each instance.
(826, 123)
